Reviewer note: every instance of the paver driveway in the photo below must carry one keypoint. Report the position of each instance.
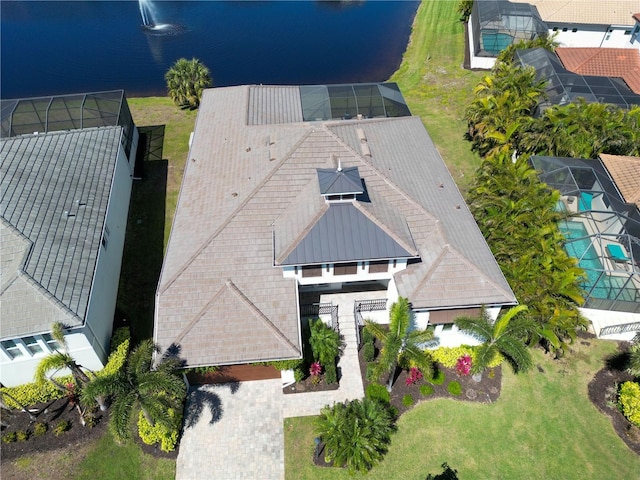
(246, 438)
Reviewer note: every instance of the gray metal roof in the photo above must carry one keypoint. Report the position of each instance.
(345, 234)
(54, 192)
(339, 181)
(250, 197)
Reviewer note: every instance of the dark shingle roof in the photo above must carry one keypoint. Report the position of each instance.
(54, 193)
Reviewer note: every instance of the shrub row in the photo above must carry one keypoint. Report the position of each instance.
(31, 393)
(629, 400)
(448, 356)
(153, 434)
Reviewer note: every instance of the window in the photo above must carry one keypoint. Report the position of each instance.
(32, 345)
(447, 327)
(12, 348)
(345, 269)
(378, 267)
(312, 271)
(627, 32)
(565, 29)
(51, 342)
(574, 30)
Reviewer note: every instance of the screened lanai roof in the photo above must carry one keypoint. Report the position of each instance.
(26, 116)
(602, 231)
(371, 100)
(497, 24)
(565, 87)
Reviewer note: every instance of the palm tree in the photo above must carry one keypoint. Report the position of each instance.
(504, 336)
(634, 360)
(61, 359)
(139, 385)
(186, 80)
(356, 433)
(402, 345)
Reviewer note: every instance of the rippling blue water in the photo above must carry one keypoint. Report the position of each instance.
(65, 47)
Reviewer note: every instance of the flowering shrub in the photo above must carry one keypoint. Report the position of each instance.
(629, 400)
(448, 356)
(415, 375)
(463, 365)
(315, 368)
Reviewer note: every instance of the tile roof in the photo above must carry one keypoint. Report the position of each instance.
(604, 62)
(250, 193)
(54, 191)
(625, 172)
(590, 12)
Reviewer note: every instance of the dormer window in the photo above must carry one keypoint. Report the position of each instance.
(340, 184)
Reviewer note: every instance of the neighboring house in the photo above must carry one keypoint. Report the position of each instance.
(66, 166)
(293, 196)
(564, 87)
(604, 62)
(602, 232)
(496, 24)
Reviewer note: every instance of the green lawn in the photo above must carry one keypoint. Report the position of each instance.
(543, 426)
(435, 85)
(118, 462)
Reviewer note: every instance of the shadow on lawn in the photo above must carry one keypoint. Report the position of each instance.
(144, 242)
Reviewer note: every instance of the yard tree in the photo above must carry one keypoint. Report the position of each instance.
(401, 343)
(326, 344)
(504, 336)
(186, 79)
(141, 386)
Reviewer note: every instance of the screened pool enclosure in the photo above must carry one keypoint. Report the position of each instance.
(602, 231)
(496, 24)
(67, 112)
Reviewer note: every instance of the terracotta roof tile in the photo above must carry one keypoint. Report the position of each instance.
(604, 62)
(625, 172)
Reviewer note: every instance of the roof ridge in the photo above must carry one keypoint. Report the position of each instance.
(235, 211)
(303, 233)
(261, 316)
(199, 315)
(383, 226)
(436, 263)
(385, 178)
(589, 58)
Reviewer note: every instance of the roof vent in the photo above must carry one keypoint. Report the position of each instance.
(364, 146)
(272, 154)
(339, 169)
(272, 139)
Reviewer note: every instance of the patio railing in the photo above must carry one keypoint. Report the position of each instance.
(622, 328)
(317, 309)
(360, 306)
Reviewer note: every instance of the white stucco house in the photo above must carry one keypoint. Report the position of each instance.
(66, 167)
(495, 24)
(315, 201)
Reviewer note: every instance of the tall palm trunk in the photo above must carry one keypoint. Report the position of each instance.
(392, 374)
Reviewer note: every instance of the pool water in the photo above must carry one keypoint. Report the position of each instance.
(598, 283)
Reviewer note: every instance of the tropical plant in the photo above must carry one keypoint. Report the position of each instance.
(186, 80)
(140, 385)
(326, 345)
(634, 360)
(59, 360)
(518, 217)
(504, 336)
(402, 345)
(464, 9)
(356, 434)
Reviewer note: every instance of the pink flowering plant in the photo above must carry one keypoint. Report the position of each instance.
(415, 375)
(315, 369)
(463, 365)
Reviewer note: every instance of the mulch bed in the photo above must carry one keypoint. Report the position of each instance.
(309, 385)
(603, 394)
(487, 390)
(51, 414)
(76, 436)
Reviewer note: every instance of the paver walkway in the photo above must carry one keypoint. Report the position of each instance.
(246, 442)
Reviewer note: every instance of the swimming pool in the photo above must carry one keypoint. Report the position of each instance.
(598, 284)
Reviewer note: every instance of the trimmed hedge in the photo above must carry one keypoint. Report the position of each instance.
(629, 400)
(448, 356)
(152, 434)
(426, 390)
(454, 388)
